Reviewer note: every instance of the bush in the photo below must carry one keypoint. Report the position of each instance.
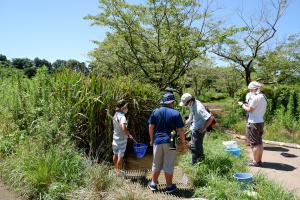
(38, 172)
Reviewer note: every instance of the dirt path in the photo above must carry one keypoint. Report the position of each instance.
(7, 195)
(281, 165)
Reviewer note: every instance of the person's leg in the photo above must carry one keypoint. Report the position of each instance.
(169, 163)
(169, 178)
(157, 163)
(197, 147)
(119, 163)
(115, 159)
(257, 153)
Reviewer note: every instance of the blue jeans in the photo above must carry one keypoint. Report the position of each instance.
(197, 147)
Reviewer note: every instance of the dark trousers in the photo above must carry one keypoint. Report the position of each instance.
(197, 147)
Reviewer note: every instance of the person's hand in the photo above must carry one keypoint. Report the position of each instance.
(183, 148)
(151, 143)
(130, 136)
(187, 122)
(240, 103)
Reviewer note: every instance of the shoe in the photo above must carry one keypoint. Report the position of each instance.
(121, 174)
(254, 164)
(152, 187)
(171, 188)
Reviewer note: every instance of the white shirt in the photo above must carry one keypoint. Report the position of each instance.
(119, 136)
(259, 104)
(198, 115)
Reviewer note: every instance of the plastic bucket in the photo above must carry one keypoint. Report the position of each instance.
(230, 144)
(234, 151)
(244, 179)
(140, 149)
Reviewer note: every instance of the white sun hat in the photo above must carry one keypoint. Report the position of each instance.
(185, 98)
(254, 85)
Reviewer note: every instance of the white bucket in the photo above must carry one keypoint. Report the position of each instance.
(230, 144)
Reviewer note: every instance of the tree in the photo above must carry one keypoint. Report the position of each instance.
(76, 65)
(159, 39)
(2, 58)
(22, 63)
(42, 62)
(58, 64)
(244, 47)
(281, 65)
(4, 62)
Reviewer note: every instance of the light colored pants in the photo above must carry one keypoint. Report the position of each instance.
(163, 158)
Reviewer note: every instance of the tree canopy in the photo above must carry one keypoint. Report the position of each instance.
(158, 39)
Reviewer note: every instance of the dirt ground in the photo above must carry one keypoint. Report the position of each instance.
(6, 195)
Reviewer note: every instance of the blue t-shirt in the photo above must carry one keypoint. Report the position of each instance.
(165, 120)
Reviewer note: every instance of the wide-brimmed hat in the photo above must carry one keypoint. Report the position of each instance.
(254, 85)
(167, 98)
(186, 97)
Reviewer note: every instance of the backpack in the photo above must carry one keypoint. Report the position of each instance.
(213, 123)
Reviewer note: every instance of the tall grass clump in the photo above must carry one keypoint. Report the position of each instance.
(213, 177)
(93, 101)
(36, 172)
(47, 120)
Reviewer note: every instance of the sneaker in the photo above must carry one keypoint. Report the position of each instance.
(171, 188)
(152, 187)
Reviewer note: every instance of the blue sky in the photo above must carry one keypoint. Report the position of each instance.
(55, 29)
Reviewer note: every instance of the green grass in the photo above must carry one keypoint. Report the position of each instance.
(213, 178)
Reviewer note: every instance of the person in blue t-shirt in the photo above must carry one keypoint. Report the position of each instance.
(162, 122)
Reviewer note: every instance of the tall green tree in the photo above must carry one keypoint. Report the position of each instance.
(281, 65)
(22, 63)
(42, 62)
(158, 39)
(243, 48)
(58, 64)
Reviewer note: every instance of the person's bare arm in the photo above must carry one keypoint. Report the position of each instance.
(125, 130)
(151, 133)
(183, 146)
(247, 108)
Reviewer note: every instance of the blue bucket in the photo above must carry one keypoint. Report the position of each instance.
(140, 149)
(244, 179)
(234, 151)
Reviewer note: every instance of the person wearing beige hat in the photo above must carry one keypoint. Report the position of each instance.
(200, 119)
(256, 107)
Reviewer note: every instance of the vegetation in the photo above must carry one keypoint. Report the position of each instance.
(213, 178)
(55, 118)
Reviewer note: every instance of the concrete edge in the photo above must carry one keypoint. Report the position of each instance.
(290, 145)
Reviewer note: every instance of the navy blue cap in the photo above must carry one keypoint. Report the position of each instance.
(168, 98)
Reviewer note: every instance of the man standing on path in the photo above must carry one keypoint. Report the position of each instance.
(162, 122)
(200, 120)
(255, 123)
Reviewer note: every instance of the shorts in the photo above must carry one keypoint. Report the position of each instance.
(254, 132)
(163, 158)
(119, 148)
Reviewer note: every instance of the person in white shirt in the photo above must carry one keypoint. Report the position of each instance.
(121, 134)
(256, 108)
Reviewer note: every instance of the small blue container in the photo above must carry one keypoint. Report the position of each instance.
(234, 151)
(140, 149)
(244, 179)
